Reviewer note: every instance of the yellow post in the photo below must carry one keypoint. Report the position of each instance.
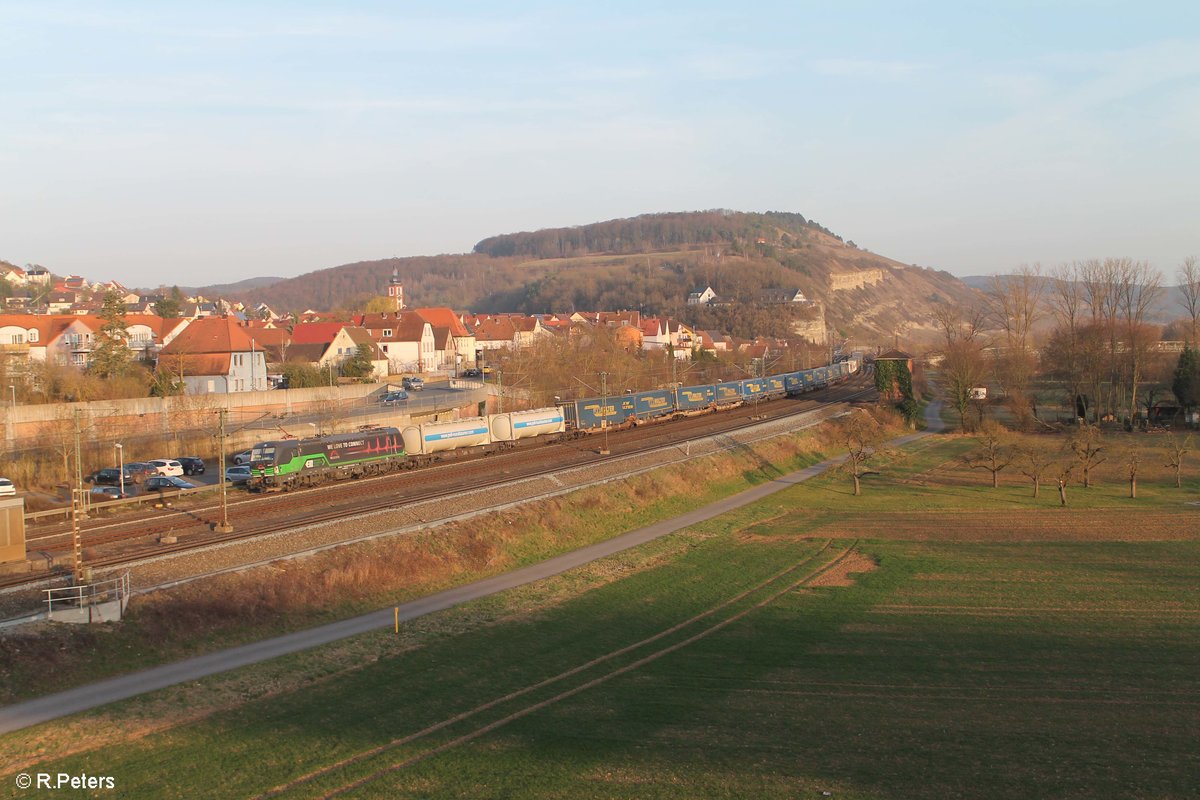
(397, 619)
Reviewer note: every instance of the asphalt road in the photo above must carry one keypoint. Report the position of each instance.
(83, 698)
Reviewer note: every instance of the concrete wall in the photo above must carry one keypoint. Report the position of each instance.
(168, 413)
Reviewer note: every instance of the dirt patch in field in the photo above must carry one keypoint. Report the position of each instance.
(1019, 525)
(854, 564)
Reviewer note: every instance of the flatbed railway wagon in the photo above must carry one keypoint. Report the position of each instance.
(288, 463)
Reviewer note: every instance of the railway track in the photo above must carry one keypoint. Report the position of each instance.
(256, 515)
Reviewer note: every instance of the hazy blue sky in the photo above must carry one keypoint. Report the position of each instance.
(204, 142)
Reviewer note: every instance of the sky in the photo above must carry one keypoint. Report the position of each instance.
(200, 143)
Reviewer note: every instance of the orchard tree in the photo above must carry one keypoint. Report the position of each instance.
(995, 450)
(1086, 444)
(1176, 450)
(1035, 462)
(862, 436)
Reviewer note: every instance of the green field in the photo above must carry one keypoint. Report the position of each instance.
(787, 650)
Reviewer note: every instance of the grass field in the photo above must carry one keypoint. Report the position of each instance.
(933, 638)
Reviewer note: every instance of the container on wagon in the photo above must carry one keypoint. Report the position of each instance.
(652, 405)
(590, 414)
(729, 393)
(694, 398)
(436, 437)
(526, 424)
(753, 387)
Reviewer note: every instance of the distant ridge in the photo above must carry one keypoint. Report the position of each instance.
(651, 263)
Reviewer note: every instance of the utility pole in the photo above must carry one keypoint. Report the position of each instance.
(121, 467)
(499, 391)
(223, 526)
(76, 492)
(604, 410)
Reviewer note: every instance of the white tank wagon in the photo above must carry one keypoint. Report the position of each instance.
(437, 437)
(527, 424)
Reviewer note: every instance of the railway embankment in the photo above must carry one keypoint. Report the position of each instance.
(383, 559)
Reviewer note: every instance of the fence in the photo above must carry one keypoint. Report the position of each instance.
(102, 601)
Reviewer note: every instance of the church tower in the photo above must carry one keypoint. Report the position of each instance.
(396, 290)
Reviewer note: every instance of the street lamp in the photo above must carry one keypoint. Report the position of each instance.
(120, 465)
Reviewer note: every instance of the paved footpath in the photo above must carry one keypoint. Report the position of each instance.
(83, 698)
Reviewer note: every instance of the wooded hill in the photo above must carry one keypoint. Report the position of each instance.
(651, 263)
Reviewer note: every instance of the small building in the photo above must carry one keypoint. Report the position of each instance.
(702, 297)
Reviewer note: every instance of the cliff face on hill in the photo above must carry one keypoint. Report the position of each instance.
(651, 263)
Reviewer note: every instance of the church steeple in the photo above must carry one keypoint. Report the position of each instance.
(396, 290)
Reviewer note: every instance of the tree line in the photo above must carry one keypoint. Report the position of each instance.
(1101, 346)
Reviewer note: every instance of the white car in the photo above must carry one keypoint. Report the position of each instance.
(243, 457)
(167, 467)
(7, 488)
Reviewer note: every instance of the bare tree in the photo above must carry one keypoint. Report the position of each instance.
(1014, 303)
(861, 435)
(1176, 449)
(1133, 460)
(1139, 286)
(1034, 462)
(995, 450)
(1064, 477)
(1086, 444)
(1189, 290)
(963, 369)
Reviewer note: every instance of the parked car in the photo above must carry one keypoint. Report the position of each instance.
(140, 470)
(413, 384)
(237, 474)
(242, 457)
(192, 465)
(161, 483)
(111, 492)
(167, 466)
(7, 488)
(398, 396)
(111, 476)
(472, 373)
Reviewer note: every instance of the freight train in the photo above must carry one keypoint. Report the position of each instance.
(291, 463)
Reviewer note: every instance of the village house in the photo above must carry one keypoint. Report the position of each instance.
(404, 337)
(459, 352)
(214, 355)
(331, 344)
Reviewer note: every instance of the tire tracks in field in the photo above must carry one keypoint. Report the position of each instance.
(527, 710)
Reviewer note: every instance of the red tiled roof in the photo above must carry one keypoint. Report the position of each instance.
(316, 332)
(495, 329)
(184, 364)
(211, 335)
(442, 318)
